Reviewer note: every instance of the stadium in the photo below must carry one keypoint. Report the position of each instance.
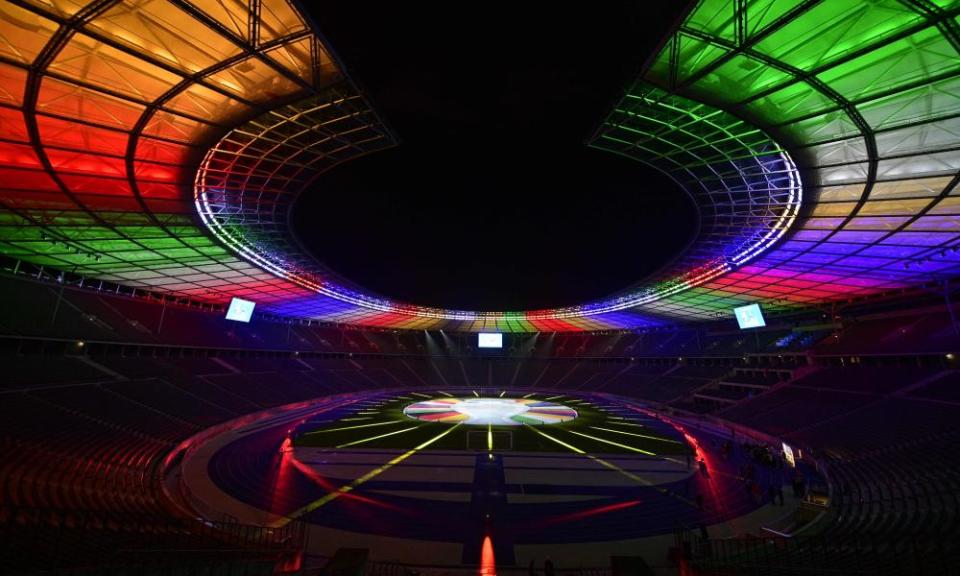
(388, 290)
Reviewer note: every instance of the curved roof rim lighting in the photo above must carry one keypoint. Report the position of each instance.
(248, 181)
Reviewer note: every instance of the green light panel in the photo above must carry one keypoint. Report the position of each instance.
(866, 98)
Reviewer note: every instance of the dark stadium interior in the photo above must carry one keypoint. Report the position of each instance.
(310, 289)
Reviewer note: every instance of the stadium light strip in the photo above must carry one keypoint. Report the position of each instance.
(785, 221)
(365, 478)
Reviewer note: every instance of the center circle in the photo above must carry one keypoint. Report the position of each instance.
(492, 411)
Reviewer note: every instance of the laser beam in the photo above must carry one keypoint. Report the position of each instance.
(366, 477)
(354, 427)
(371, 439)
(612, 443)
(637, 435)
(611, 466)
(570, 447)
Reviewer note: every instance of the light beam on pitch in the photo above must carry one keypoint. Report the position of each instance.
(365, 478)
(371, 439)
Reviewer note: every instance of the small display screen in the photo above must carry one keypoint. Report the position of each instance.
(749, 316)
(240, 310)
(486, 340)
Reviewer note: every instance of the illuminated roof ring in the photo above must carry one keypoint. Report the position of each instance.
(747, 188)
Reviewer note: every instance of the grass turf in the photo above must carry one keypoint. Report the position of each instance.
(594, 431)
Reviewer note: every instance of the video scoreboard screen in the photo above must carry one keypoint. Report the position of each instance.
(488, 340)
(240, 310)
(750, 316)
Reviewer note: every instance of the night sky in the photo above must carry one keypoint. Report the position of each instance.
(492, 201)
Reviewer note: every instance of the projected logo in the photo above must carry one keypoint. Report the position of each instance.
(496, 411)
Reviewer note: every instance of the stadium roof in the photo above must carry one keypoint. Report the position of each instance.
(159, 144)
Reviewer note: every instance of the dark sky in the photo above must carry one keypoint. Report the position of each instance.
(492, 200)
